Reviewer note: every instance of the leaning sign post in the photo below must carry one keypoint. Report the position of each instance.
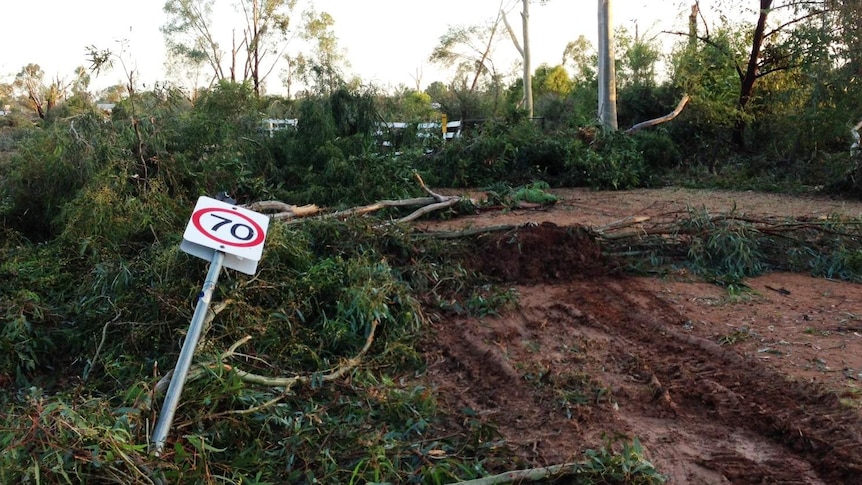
(228, 236)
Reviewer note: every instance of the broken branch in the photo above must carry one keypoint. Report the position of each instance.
(662, 119)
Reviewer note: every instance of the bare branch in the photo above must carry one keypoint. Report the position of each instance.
(512, 34)
(662, 119)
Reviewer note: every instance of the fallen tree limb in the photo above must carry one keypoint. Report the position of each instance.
(283, 210)
(662, 119)
(429, 208)
(622, 223)
(292, 213)
(473, 231)
(287, 383)
(530, 474)
(367, 209)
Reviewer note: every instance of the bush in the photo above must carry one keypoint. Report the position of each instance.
(614, 163)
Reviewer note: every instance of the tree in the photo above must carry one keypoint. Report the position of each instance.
(7, 95)
(607, 76)
(525, 54)
(770, 49)
(113, 94)
(469, 50)
(266, 33)
(39, 97)
(189, 36)
(407, 104)
(552, 80)
(637, 61)
(323, 70)
(582, 57)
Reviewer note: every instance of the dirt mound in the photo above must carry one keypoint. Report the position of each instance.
(540, 252)
(582, 359)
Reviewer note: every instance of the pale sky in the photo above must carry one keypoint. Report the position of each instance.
(387, 42)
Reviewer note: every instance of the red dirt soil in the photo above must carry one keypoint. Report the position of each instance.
(758, 388)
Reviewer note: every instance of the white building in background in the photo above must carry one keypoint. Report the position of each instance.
(271, 125)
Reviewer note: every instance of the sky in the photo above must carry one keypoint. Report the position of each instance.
(387, 42)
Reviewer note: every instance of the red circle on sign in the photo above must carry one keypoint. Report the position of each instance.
(196, 220)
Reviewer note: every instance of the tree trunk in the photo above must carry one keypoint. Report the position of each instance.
(255, 70)
(607, 72)
(748, 78)
(528, 76)
(692, 28)
(480, 66)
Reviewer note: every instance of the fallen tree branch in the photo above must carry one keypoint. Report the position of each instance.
(662, 119)
(292, 213)
(530, 474)
(283, 210)
(287, 383)
(440, 198)
(212, 311)
(622, 223)
(473, 231)
(367, 209)
(429, 208)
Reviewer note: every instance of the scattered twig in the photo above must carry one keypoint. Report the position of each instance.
(95, 358)
(530, 474)
(287, 383)
(473, 231)
(622, 223)
(780, 291)
(213, 310)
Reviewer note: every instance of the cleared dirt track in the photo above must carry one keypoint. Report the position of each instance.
(758, 389)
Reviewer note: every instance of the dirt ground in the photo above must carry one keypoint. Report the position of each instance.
(758, 388)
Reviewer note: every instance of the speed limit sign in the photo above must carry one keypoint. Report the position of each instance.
(219, 226)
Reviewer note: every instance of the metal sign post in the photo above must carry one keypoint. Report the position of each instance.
(228, 236)
(184, 362)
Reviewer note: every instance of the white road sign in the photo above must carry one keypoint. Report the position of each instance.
(218, 226)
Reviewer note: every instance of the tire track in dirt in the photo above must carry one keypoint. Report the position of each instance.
(589, 357)
(706, 382)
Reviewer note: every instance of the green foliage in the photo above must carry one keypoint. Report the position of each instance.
(310, 307)
(724, 248)
(47, 169)
(72, 441)
(629, 465)
(549, 80)
(497, 152)
(36, 281)
(615, 163)
(727, 248)
(659, 151)
(535, 193)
